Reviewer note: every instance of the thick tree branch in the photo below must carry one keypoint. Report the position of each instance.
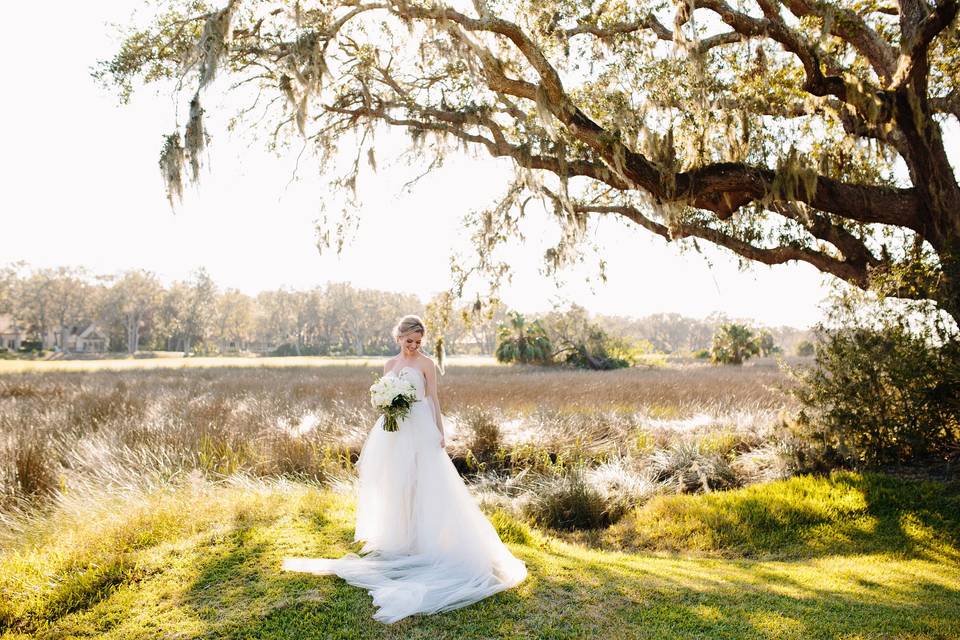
(913, 49)
(651, 23)
(853, 248)
(776, 255)
(772, 26)
(947, 104)
(849, 26)
(451, 123)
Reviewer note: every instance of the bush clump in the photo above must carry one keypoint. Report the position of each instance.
(566, 500)
(883, 394)
(691, 466)
(484, 438)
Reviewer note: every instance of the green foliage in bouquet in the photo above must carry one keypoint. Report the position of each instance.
(398, 410)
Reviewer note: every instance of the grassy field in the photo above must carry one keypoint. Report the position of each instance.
(174, 360)
(865, 557)
(157, 501)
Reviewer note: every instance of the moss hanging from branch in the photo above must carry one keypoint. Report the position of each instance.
(494, 82)
(216, 36)
(794, 180)
(195, 137)
(171, 166)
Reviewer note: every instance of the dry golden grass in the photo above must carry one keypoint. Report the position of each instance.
(171, 360)
(468, 381)
(97, 424)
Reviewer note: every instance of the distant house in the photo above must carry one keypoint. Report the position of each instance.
(90, 340)
(85, 337)
(11, 334)
(81, 338)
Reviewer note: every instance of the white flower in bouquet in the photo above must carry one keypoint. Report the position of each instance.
(393, 396)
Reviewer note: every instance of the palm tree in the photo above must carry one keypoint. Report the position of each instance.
(732, 344)
(518, 341)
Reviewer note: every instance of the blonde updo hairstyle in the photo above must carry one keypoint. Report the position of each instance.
(408, 324)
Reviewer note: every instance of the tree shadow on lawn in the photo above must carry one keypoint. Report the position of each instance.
(667, 597)
(909, 519)
(571, 596)
(573, 592)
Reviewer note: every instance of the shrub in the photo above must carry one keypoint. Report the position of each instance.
(765, 344)
(634, 351)
(35, 466)
(805, 349)
(767, 462)
(622, 487)
(27, 346)
(592, 348)
(288, 349)
(884, 387)
(523, 342)
(882, 396)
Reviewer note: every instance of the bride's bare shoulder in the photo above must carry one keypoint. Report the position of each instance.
(388, 363)
(426, 362)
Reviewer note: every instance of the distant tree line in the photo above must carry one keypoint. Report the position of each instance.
(675, 333)
(137, 312)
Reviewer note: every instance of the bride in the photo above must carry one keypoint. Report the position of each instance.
(427, 545)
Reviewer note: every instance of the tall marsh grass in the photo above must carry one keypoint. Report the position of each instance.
(534, 441)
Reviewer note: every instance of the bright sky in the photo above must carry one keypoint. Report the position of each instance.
(82, 187)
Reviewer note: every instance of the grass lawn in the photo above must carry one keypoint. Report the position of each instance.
(849, 556)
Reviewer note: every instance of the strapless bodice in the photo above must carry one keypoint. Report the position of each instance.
(418, 380)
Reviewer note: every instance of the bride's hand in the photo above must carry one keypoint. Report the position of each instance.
(443, 442)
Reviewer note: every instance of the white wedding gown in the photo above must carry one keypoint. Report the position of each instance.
(427, 545)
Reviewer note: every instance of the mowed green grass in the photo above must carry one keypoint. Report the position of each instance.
(848, 556)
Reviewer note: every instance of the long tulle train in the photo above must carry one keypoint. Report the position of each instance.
(427, 545)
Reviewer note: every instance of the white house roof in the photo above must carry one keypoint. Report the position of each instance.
(92, 333)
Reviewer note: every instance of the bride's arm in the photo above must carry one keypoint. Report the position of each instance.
(431, 376)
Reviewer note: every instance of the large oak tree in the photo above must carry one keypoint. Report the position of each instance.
(783, 130)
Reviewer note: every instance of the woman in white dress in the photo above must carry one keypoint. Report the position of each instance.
(427, 545)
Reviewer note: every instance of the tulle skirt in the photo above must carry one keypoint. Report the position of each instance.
(427, 545)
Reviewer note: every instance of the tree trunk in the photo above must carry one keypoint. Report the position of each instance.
(950, 302)
(130, 336)
(136, 335)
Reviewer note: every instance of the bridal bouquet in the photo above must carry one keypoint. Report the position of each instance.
(393, 396)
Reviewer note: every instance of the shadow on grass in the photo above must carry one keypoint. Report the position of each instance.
(573, 592)
(685, 597)
(803, 517)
